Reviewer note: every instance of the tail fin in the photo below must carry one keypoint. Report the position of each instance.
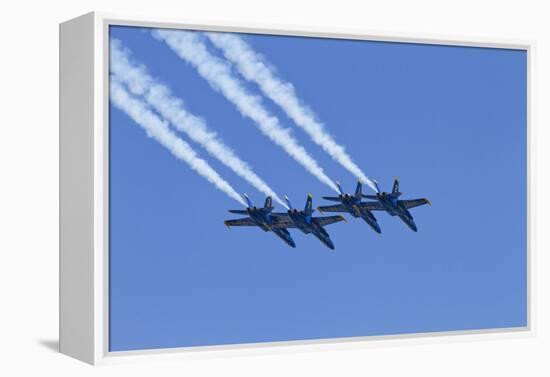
(339, 187)
(248, 201)
(309, 204)
(268, 203)
(376, 185)
(288, 202)
(358, 189)
(395, 189)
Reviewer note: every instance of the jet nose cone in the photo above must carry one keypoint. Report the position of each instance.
(329, 244)
(291, 243)
(377, 228)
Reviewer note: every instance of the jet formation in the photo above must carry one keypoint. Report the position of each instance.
(353, 204)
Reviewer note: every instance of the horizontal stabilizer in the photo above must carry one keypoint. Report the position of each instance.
(239, 211)
(374, 197)
(247, 221)
(324, 221)
(333, 208)
(332, 198)
(411, 203)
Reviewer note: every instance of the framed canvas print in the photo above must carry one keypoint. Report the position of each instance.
(235, 189)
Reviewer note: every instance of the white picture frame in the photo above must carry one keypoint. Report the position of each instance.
(84, 191)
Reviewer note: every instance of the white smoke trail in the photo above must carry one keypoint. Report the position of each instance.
(255, 68)
(141, 83)
(188, 46)
(156, 128)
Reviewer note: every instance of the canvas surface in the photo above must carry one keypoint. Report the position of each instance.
(449, 121)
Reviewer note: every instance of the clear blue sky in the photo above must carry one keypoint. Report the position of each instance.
(449, 121)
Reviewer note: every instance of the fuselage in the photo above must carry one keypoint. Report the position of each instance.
(351, 204)
(284, 234)
(307, 224)
(393, 207)
(261, 217)
(390, 203)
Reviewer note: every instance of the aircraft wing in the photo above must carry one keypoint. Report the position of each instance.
(371, 206)
(414, 202)
(247, 221)
(334, 208)
(281, 220)
(323, 221)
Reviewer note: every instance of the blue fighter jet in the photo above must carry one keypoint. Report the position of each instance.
(389, 202)
(352, 204)
(263, 218)
(304, 221)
